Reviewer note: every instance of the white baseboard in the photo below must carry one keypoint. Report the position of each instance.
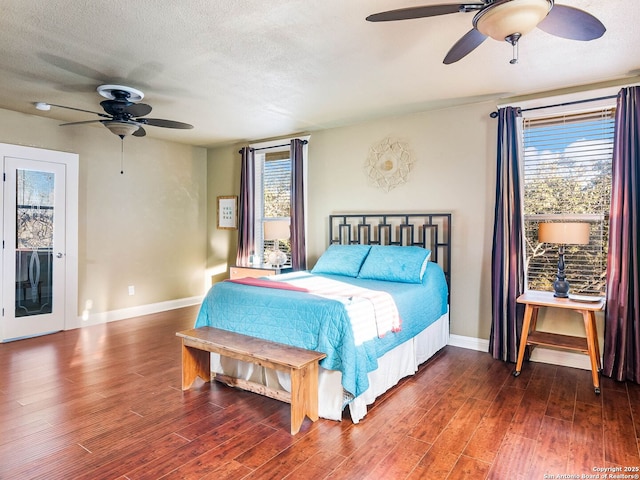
(115, 315)
(541, 355)
(470, 343)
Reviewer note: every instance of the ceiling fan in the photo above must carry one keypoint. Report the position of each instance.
(123, 116)
(505, 20)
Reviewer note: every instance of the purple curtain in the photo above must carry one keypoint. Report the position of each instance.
(246, 208)
(298, 243)
(622, 325)
(507, 260)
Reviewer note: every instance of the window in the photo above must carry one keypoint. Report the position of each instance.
(567, 177)
(273, 196)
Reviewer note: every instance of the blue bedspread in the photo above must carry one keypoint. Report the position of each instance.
(321, 324)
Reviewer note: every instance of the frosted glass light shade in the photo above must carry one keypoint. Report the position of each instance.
(571, 233)
(121, 128)
(277, 230)
(511, 16)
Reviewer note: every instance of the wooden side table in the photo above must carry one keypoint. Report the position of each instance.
(533, 300)
(255, 271)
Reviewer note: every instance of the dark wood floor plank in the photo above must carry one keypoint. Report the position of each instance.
(620, 441)
(633, 390)
(513, 459)
(494, 425)
(552, 448)
(105, 402)
(587, 439)
(220, 455)
(530, 414)
(401, 460)
(467, 467)
(388, 426)
(229, 471)
(266, 449)
(434, 465)
(454, 437)
(129, 458)
(562, 398)
(433, 422)
(319, 465)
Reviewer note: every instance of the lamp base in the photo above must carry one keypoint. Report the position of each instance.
(277, 258)
(561, 288)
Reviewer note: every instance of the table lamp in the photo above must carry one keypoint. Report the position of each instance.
(277, 230)
(572, 233)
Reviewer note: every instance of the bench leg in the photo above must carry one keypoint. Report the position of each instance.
(195, 363)
(304, 395)
(311, 392)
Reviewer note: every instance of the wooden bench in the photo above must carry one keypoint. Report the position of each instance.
(301, 364)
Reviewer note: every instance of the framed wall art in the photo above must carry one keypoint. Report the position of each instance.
(228, 212)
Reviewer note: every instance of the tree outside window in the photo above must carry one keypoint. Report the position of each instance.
(567, 177)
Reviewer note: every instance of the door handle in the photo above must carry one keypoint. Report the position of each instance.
(59, 255)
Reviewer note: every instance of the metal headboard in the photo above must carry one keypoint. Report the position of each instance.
(427, 230)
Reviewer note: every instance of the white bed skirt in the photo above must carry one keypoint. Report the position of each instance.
(396, 364)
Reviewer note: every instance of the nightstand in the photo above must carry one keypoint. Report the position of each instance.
(533, 300)
(256, 271)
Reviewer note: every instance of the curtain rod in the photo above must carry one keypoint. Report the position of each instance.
(495, 114)
(304, 142)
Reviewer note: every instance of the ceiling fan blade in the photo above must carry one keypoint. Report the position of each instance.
(159, 122)
(139, 133)
(424, 11)
(469, 42)
(138, 109)
(79, 110)
(572, 23)
(82, 123)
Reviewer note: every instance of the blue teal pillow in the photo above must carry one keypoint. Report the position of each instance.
(395, 264)
(342, 260)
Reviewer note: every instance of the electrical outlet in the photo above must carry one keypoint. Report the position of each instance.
(132, 290)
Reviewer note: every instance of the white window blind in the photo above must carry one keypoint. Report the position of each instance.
(273, 197)
(567, 177)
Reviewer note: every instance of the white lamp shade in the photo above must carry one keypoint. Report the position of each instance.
(511, 16)
(277, 230)
(571, 233)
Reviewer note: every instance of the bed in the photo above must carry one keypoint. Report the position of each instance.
(376, 303)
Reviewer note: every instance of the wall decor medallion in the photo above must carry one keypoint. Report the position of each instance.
(388, 164)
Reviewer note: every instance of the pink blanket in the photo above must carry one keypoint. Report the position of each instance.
(261, 282)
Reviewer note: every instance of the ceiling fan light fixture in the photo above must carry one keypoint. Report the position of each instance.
(121, 129)
(507, 17)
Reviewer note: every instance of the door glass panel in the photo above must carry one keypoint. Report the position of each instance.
(34, 242)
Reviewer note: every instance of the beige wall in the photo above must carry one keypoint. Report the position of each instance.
(145, 228)
(223, 175)
(454, 172)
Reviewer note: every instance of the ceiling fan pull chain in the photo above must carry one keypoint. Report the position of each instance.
(122, 155)
(513, 40)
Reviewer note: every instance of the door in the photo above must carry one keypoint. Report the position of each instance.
(34, 266)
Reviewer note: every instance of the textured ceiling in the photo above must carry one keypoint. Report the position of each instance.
(251, 70)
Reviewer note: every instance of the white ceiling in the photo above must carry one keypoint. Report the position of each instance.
(252, 70)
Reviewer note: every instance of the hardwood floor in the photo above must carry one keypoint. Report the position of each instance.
(105, 402)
